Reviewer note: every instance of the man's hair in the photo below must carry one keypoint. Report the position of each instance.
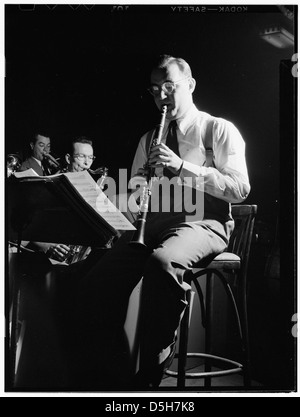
(163, 61)
(37, 133)
(80, 139)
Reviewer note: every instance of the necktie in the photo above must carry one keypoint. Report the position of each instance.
(45, 169)
(172, 143)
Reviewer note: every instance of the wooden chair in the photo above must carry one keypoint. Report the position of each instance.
(233, 262)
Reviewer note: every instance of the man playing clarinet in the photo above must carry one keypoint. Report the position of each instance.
(174, 240)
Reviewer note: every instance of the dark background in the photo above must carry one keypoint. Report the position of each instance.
(84, 70)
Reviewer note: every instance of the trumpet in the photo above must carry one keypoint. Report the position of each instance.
(77, 253)
(139, 235)
(13, 163)
(52, 161)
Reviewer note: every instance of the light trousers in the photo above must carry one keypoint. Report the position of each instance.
(174, 247)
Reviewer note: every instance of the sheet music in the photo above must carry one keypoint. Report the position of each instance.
(28, 173)
(93, 195)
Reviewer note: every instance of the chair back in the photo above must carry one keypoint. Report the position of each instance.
(241, 238)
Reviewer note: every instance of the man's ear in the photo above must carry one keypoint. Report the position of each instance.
(31, 145)
(192, 84)
(68, 158)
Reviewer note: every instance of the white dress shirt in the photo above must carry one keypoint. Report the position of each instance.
(228, 179)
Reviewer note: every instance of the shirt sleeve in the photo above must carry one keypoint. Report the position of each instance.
(228, 180)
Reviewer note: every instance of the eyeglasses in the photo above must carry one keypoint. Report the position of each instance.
(82, 157)
(168, 87)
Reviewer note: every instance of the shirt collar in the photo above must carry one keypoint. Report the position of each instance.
(187, 119)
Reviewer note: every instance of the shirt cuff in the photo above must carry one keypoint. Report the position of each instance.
(189, 170)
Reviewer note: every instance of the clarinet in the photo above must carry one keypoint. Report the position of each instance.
(139, 235)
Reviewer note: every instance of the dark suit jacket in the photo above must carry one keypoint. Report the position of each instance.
(32, 163)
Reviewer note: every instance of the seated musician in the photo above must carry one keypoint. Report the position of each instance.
(40, 159)
(51, 272)
(79, 158)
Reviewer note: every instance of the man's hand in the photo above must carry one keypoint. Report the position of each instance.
(163, 157)
(142, 172)
(58, 252)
